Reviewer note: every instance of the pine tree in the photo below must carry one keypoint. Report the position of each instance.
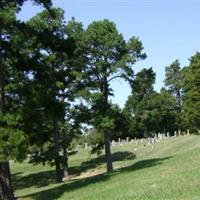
(107, 56)
(12, 143)
(192, 93)
(174, 82)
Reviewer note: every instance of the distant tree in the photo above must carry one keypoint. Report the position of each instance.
(150, 112)
(174, 82)
(192, 93)
(107, 57)
(139, 102)
(143, 83)
(121, 123)
(163, 113)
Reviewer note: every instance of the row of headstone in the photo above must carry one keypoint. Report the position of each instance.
(177, 133)
(148, 141)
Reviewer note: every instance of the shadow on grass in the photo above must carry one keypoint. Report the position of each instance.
(45, 178)
(56, 192)
(94, 162)
(39, 179)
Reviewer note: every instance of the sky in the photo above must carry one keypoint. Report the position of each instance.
(168, 29)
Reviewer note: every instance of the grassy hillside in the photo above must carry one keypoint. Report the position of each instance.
(168, 170)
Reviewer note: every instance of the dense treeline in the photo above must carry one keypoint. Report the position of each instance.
(55, 79)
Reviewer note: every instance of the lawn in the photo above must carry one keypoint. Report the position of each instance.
(167, 170)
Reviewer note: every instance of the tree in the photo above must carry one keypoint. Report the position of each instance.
(107, 56)
(53, 116)
(138, 104)
(143, 83)
(163, 116)
(150, 112)
(192, 93)
(12, 137)
(173, 82)
(51, 81)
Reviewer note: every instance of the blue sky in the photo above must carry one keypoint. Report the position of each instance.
(168, 29)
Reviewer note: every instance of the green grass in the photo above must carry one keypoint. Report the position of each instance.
(168, 171)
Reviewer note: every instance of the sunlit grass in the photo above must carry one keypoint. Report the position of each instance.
(168, 170)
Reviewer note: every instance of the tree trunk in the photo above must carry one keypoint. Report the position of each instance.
(56, 151)
(107, 139)
(5, 181)
(108, 151)
(65, 155)
(66, 166)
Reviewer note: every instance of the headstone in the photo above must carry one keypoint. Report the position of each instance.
(168, 135)
(119, 140)
(113, 143)
(78, 147)
(127, 139)
(175, 133)
(179, 132)
(86, 146)
(148, 141)
(153, 140)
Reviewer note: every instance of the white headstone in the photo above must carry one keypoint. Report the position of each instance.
(168, 134)
(113, 143)
(175, 133)
(127, 139)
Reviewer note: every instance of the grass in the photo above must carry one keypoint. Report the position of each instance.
(168, 170)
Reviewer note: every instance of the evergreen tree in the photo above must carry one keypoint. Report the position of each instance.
(192, 93)
(138, 104)
(174, 81)
(107, 56)
(52, 84)
(13, 139)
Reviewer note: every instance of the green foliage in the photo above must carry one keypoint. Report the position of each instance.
(150, 112)
(12, 144)
(192, 92)
(174, 82)
(120, 128)
(107, 57)
(96, 141)
(138, 105)
(142, 85)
